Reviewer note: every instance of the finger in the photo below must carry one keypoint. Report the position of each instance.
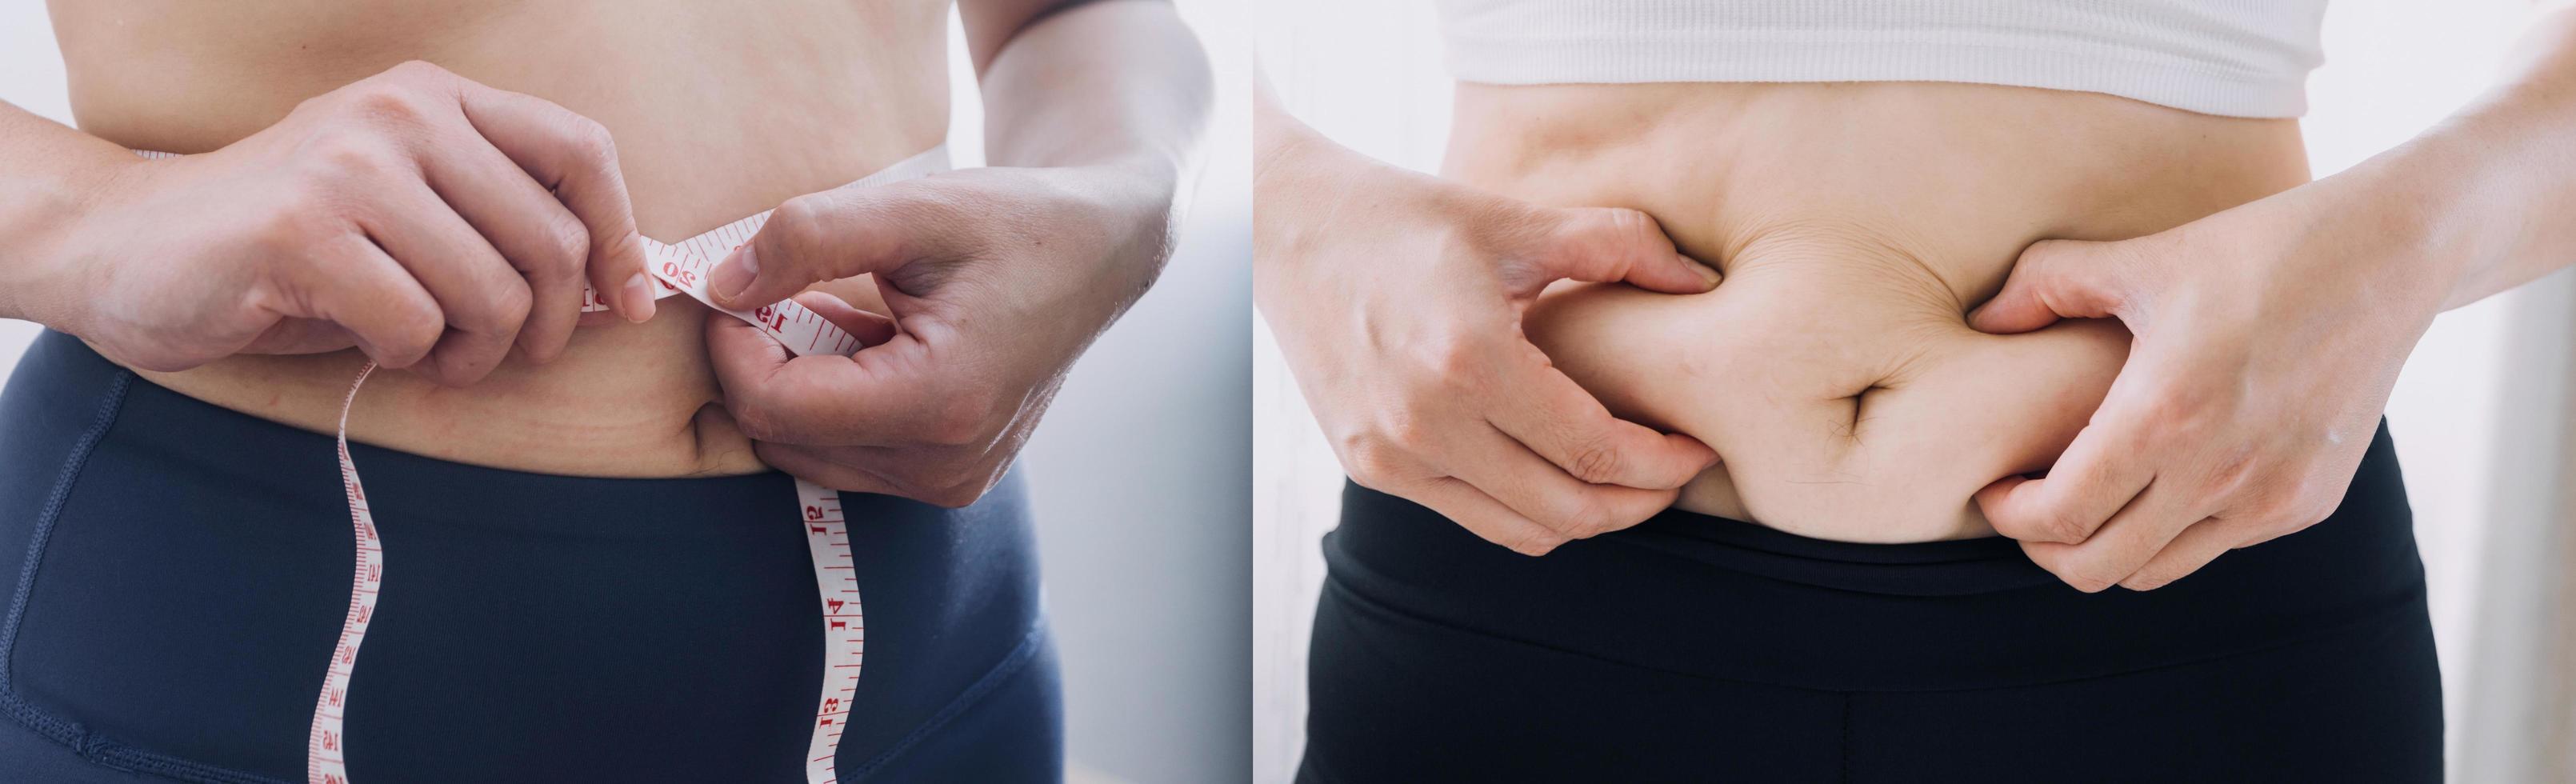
(1485, 517)
(1540, 491)
(891, 393)
(484, 300)
(300, 336)
(870, 328)
(353, 283)
(2053, 279)
(843, 234)
(575, 159)
(809, 464)
(2198, 545)
(536, 234)
(2095, 477)
(2123, 545)
(1605, 244)
(1564, 424)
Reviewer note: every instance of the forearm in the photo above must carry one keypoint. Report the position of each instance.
(1119, 83)
(49, 175)
(2489, 195)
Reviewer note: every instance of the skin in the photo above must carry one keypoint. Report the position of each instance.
(1855, 225)
(2270, 316)
(997, 277)
(1398, 299)
(318, 155)
(2269, 335)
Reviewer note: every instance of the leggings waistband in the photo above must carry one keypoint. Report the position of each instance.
(1722, 598)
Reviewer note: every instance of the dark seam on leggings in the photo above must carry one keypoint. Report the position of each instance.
(2363, 621)
(1009, 665)
(1844, 759)
(90, 746)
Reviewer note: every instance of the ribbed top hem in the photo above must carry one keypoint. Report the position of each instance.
(2236, 61)
(2178, 85)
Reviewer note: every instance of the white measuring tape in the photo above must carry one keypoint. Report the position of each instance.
(679, 269)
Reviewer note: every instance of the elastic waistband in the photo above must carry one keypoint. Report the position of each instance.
(1946, 568)
(1729, 599)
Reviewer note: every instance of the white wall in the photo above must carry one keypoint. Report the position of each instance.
(2392, 68)
(1140, 471)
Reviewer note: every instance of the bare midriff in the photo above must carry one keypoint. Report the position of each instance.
(1834, 371)
(719, 111)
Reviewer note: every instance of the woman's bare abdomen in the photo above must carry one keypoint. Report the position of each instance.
(1834, 371)
(704, 135)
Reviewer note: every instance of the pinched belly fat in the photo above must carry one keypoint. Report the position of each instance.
(1842, 389)
(1857, 224)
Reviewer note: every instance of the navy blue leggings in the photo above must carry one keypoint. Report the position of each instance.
(177, 574)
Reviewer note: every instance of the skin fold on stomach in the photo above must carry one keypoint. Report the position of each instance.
(705, 136)
(1834, 371)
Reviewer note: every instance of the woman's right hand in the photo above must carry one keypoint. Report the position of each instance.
(430, 221)
(1397, 300)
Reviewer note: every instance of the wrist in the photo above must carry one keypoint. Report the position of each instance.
(41, 239)
(2443, 210)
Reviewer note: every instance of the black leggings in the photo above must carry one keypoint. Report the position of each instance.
(1696, 648)
(177, 575)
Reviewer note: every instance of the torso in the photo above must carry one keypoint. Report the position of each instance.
(701, 138)
(1833, 370)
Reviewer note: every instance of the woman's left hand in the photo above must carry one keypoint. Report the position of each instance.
(997, 278)
(2267, 339)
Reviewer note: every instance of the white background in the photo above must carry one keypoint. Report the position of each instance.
(1139, 471)
(2477, 414)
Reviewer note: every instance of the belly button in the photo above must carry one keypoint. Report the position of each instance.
(1860, 410)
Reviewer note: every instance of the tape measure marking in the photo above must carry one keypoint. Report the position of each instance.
(676, 269)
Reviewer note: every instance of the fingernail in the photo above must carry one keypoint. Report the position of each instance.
(734, 274)
(639, 298)
(1706, 273)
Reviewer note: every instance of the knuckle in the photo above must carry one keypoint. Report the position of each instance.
(509, 308)
(1580, 518)
(567, 247)
(1407, 429)
(2066, 526)
(800, 228)
(416, 329)
(387, 103)
(2049, 525)
(591, 141)
(351, 161)
(1627, 228)
(1371, 461)
(1594, 461)
(418, 69)
(1453, 357)
(755, 421)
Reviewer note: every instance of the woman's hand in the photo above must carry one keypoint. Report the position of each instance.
(1397, 299)
(997, 278)
(2267, 339)
(414, 214)
(2268, 336)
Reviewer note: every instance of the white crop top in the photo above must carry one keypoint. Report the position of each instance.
(2243, 58)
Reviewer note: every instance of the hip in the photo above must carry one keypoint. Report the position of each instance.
(183, 570)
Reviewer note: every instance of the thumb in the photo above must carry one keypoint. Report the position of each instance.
(1606, 244)
(830, 236)
(2054, 279)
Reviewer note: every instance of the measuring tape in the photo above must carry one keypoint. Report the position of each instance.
(676, 269)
